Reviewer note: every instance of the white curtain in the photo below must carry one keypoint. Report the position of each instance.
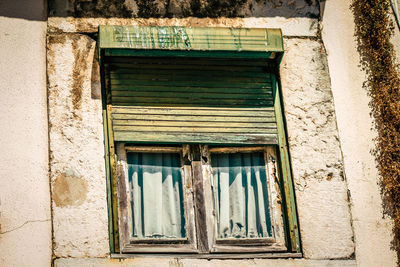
(156, 194)
(241, 195)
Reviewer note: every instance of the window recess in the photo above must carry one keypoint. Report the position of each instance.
(198, 162)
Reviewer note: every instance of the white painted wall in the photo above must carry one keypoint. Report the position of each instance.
(372, 233)
(25, 220)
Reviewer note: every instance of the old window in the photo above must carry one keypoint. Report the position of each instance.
(197, 152)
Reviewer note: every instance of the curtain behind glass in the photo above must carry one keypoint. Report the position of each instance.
(156, 195)
(241, 195)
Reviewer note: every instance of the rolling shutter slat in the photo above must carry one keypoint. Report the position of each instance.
(191, 101)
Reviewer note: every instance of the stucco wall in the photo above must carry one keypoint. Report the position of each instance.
(372, 232)
(76, 139)
(77, 166)
(321, 190)
(25, 219)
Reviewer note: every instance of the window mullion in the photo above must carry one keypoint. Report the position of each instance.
(200, 201)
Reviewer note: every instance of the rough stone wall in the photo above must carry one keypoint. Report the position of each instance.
(320, 186)
(184, 8)
(77, 144)
(77, 166)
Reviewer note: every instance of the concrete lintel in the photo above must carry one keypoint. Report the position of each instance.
(297, 27)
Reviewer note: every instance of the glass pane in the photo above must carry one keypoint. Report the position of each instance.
(241, 195)
(155, 182)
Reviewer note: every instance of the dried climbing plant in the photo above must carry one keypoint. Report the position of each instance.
(374, 29)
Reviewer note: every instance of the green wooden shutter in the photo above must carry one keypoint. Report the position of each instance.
(191, 100)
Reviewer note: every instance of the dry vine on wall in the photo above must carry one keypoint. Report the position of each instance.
(374, 29)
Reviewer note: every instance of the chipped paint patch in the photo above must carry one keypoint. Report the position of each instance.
(69, 190)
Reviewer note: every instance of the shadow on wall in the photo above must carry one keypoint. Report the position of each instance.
(24, 9)
(183, 8)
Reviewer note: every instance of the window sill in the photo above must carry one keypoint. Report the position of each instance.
(211, 256)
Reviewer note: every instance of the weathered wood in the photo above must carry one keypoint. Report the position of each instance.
(236, 149)
(193, 124)
(124, 214)
(206, 101)
(153, 241)
(191, 118)
(211, 221)
(171, 76)
(201, 212)
(247, 249)
(272, 255)
(275, 195)
(113, 172)
(189, 129)
(208, 79)
(191, 38)
(181, 72)
(159, 248)
(132, 89)
(204, 83)
(153, 149)
(244, 64)
(188, 196)
(274, 243)
(143, 245)
(196, 111)
(202, 95)
(109, 181)
(246, 241)
(209, 138)
(294, 235)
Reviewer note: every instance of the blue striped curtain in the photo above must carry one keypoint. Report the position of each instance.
(155, 181)
(241, 195)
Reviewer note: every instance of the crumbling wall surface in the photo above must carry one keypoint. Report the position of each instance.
(77, 166)
(320, 186)
(184, 8)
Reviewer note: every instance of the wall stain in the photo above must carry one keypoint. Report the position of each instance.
(183, 8)
(69, 190)
(79, 73)
(78, 76)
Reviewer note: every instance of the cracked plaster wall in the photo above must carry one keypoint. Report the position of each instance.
(77, 144)
(25, 218)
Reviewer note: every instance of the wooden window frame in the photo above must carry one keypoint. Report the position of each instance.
(153, 245)
(250, 245)
(199, 205)
(204, 243)
(206, 248)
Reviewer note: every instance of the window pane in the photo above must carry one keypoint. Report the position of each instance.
(241, 195)
(155, 181)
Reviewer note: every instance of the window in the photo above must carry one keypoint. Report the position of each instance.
(232, 191)
(197, 151)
